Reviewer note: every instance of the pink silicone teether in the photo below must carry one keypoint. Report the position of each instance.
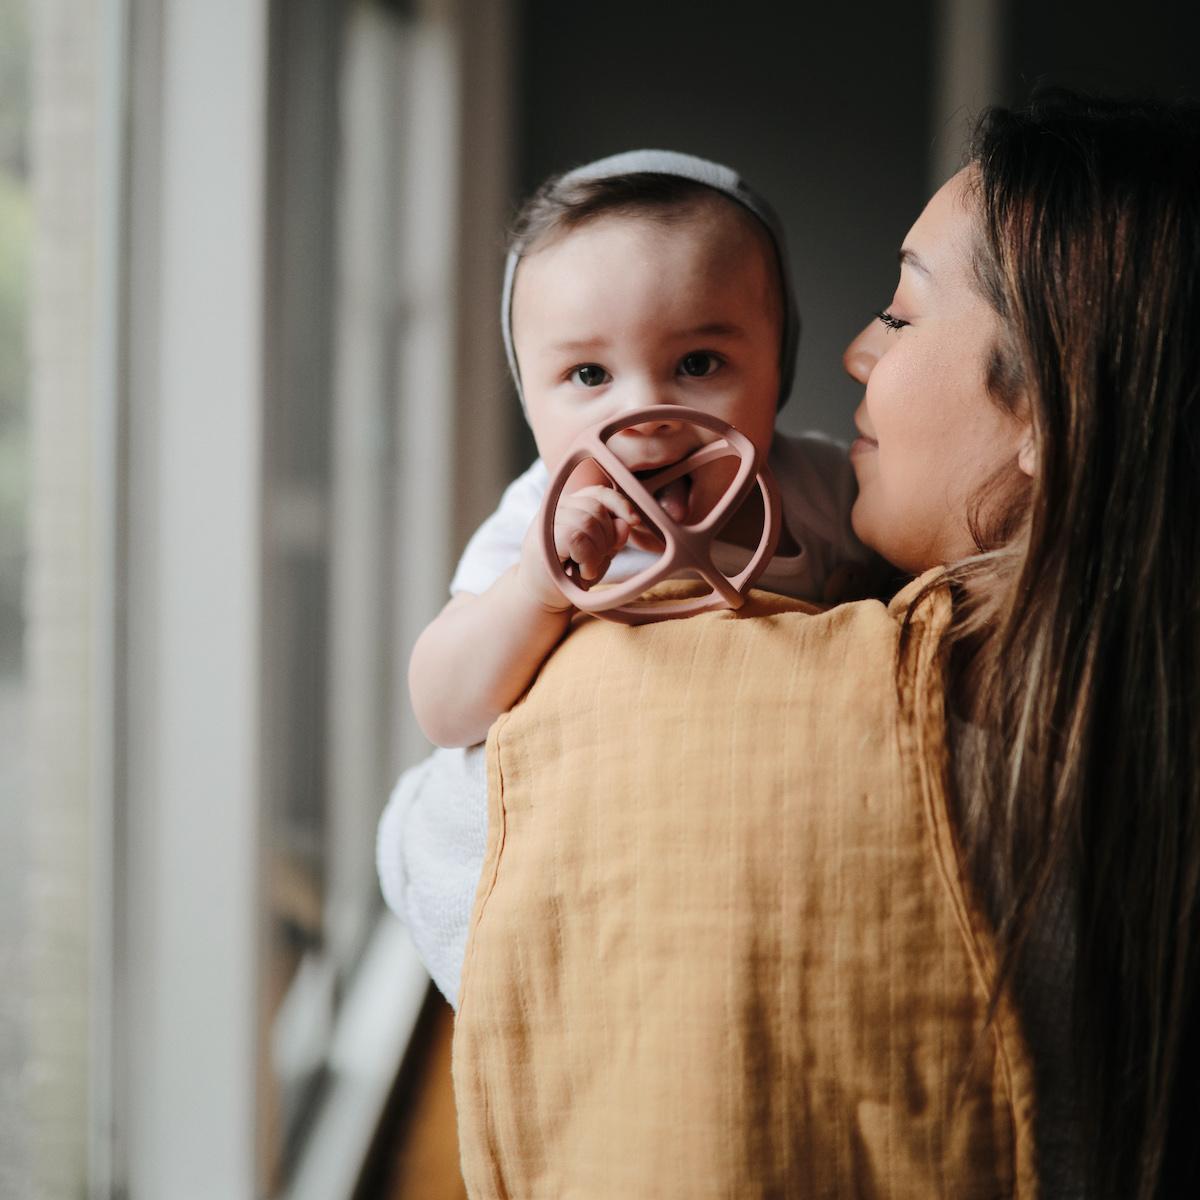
(687, 547)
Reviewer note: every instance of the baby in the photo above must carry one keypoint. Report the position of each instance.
(648, 278)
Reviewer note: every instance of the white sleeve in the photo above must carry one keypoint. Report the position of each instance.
(496, 544)
(429, 851)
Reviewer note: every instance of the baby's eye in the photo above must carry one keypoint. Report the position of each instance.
(590, 375)
(699, 363)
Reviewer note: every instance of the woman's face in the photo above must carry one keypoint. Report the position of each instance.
(931, 435)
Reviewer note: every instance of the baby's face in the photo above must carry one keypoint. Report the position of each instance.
(626, 312)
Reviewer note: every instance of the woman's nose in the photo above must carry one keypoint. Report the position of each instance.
(861, 355)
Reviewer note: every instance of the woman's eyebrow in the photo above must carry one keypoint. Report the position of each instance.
(913, 259)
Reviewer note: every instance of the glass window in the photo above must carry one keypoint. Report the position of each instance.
(334, 708)
(14, 515)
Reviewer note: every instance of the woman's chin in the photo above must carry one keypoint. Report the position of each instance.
(860, 524)
(871, 533)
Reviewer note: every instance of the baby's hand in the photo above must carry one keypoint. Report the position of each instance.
(590, 526)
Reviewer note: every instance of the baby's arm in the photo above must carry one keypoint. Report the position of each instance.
(477, 656)
(482, 651)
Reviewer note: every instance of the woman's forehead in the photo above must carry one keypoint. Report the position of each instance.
(937, 249)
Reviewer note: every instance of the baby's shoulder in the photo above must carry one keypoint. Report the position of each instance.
(532, 482)
(810, 451)
(814, 471)
(523, 496)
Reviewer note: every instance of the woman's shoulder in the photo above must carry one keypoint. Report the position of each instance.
(771, 645)
(929, 587)
(910, 602)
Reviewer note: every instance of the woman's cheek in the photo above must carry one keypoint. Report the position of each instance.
(887, 389)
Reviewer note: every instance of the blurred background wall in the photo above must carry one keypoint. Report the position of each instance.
(827, 109)
(845, 115)
(253, 401)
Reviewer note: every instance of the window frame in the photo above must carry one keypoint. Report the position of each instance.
(177, 998)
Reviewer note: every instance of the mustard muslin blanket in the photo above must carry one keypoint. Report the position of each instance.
(723, 945)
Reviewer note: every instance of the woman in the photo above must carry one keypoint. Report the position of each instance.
(1029, 423)
(1065, 261)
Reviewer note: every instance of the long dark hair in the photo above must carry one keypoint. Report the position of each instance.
(1081, 620)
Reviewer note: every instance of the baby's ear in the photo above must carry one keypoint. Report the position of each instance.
(1027, 454)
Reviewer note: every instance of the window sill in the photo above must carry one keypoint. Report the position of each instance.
(373, 1031)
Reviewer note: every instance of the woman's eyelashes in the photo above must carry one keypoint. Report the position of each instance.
(890, 321)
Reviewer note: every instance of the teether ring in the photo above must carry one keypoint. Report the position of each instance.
(687, 546)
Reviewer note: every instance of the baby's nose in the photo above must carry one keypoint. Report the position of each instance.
(645, 393)
(664, 422)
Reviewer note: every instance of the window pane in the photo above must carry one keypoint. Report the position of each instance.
(330, 646)
(14, 503)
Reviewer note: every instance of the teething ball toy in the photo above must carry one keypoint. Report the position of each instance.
(687, 547)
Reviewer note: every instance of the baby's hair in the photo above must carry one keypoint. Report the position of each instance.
(562, 204)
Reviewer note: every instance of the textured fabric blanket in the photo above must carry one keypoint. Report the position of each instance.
(723, 945)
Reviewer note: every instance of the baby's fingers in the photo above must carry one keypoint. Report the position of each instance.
(588, 535)
(614, 502)
(588, 548)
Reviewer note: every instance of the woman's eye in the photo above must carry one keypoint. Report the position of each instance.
(590, 375)
(699, 363)
(890, 321)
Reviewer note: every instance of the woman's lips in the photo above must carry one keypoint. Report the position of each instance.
(862, 445)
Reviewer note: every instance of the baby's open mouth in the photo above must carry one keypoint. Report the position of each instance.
(673, 495)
